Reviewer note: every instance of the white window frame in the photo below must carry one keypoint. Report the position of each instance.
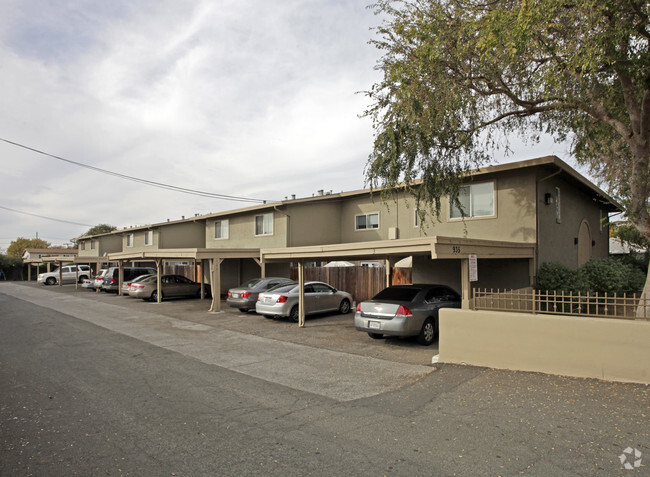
(470, 214)
(93, 244)
(148, 237)
(558, 206)
(265, 232)
(82, 245)
(129, 240)
(222, 225)
(356, 222)
(416, 219)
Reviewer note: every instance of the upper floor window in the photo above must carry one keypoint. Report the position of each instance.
(129, 240)
(416, 218)
(367, 221)
(148, 237)
(264, 224)
(92, 244)
(476, 200)
(82, 245)
(221, 229)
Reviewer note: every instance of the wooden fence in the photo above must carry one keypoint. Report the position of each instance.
(529, 300)
(361, 282)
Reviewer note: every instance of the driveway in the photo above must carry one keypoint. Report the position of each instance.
(328, 357)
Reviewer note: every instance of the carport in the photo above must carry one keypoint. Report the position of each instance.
(214, 257)
(436, 248)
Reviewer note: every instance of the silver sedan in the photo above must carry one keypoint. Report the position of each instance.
(172, 286)
(319, 297)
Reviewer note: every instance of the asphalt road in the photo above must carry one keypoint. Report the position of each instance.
(132, 391)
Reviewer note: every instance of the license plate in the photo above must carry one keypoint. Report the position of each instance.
(268, 299)
(374, 325)
(235, 295)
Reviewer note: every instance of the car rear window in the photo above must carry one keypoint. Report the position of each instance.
(397, 293)
(251, 283)
(284, 288)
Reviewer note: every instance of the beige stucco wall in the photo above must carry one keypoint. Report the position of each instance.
(557, 240)
(190, 234)
(514, 218)
(241, 232)
(103, 244)
(609, 349)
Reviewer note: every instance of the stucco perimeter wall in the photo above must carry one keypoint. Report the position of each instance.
(609, 349)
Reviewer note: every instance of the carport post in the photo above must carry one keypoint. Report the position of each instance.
(29, 272)
(201, 279)
(60, 273)
(387, 261)
(158, 281)
(465, 284)
(215, 284)
(76, 276)
(120, 276)
(301, 294)
(262, 265)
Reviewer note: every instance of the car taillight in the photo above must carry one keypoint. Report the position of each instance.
(359, 307)
(245, 294)
(403, 311)
(282, 299)
(229, 293)
(138, 286)
(113, 281)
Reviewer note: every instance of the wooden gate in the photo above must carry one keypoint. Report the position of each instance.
(361, 282)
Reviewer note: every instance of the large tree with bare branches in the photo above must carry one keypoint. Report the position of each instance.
(461, 77)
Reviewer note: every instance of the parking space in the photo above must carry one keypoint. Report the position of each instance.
(333, 332)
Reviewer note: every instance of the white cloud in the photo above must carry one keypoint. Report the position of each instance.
(242, 97)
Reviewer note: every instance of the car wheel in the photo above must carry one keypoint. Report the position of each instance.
(293, 314)
(50, 281)
(154, 295)
(375, 336)
(428, 333)
(82, 278)
(344, 307)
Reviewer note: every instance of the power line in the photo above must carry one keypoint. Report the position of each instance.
(160, 185)
(43, 217)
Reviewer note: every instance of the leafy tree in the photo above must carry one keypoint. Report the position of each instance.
(461, 77)
(629, 234)
(18, 246)
(100, 229)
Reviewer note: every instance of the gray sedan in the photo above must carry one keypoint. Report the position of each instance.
(172, 286)
(405, 310)
(319, 297)
(244, 297)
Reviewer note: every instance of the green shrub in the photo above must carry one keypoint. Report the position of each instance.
(598, 275)
(557, 277)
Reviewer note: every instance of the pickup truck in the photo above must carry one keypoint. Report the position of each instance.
(69, 274)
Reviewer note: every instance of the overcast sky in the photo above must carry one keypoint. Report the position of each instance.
(241, 97)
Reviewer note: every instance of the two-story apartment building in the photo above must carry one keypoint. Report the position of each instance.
(514, 217)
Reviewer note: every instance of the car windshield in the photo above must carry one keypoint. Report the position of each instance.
(150, 278)
(250, 283)
(397, 293)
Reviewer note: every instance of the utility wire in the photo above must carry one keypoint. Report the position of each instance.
(43, 217)
(160, 185)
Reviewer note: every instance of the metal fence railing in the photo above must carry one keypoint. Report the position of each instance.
(528, 300)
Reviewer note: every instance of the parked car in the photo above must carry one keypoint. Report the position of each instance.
(99, 279)
(126, 286)
(172, 286)
(69, 274)
(319, 297)
(111, 279)
(405, 310)
(244, 297)
(88, 283)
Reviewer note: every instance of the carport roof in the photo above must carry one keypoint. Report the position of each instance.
(193, 253)
(436, 247)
